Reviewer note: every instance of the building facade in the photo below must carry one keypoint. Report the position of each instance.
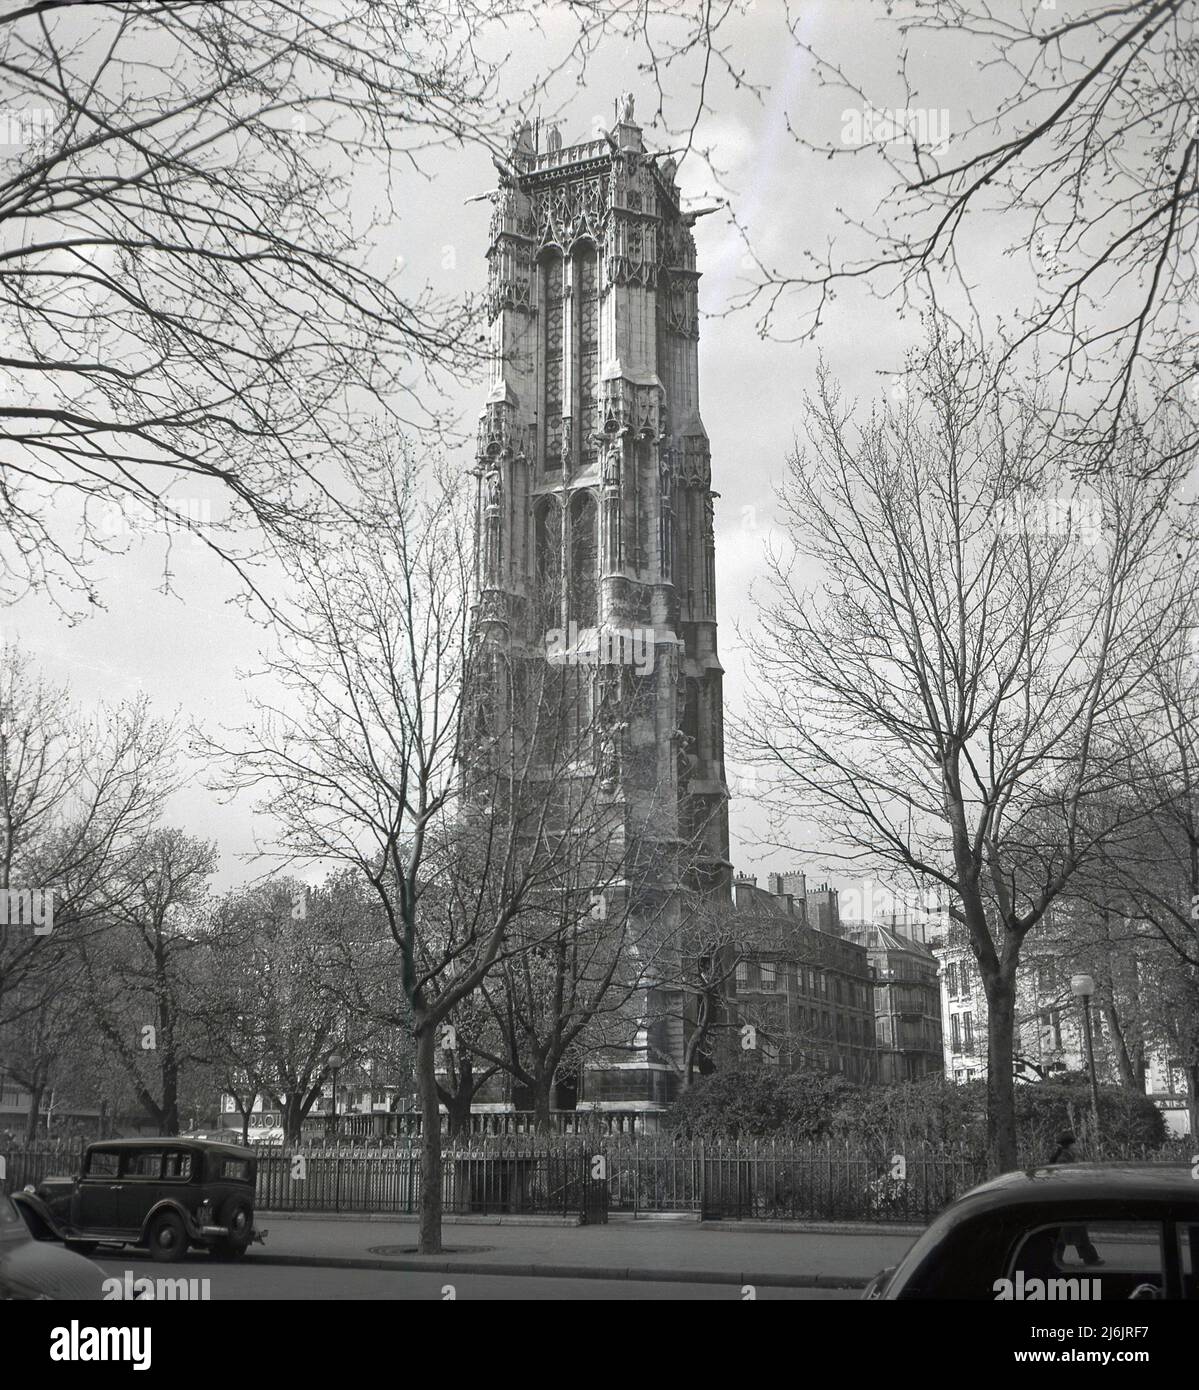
(594, 518)
(803, 997)
(907, 1002)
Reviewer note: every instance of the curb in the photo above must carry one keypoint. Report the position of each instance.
(436, 1265)
(815, 1228)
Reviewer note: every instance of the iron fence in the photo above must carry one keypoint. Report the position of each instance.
(588, 1176)
(475, 1180)
(26, 1165)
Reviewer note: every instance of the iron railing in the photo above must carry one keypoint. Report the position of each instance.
(588, 1176)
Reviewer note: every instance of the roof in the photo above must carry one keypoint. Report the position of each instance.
(154, 1141)
(877, 937)
(1090, 1182)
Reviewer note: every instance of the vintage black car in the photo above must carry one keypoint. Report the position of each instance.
(1075, 1231)
(164, 1194)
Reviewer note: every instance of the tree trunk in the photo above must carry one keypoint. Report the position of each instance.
(458, 1101)
(543, 1116)
(430, 1141)
(699, 1035)
(35, 1106)
(1124, 1063)
(170, 1099)
(1001, 1092)
(292, 1118)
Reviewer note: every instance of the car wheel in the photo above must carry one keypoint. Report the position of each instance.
(168, 1237)
(81, 1247)
(238, 1218)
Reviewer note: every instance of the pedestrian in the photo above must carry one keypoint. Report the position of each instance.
(1072, 1235)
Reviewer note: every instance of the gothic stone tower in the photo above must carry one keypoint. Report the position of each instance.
(594, 511)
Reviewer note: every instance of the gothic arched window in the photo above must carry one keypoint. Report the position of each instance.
(583, 601)
(587, 302)
(552, 326)
(548, 544)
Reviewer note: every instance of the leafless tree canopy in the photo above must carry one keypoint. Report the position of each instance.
(1085, 139)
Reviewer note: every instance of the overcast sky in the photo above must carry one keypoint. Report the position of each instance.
(188, 650)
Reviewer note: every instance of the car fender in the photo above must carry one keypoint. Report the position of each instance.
(38, 1217)
(169, 1204)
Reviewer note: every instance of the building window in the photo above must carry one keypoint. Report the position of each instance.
(742, 974)
(587, 272)
(767, 970)
(955, 1023)
(551, 298)
(548, 542)
(584, 582)
(968, 1031)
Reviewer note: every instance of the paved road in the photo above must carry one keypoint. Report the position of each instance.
(246, 1281)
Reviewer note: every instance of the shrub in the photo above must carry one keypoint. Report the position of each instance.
(754, 1101)
(930, 1111)
(1044, 1109)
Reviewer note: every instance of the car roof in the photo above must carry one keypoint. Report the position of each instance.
(1087, 1182)
(152, 1141)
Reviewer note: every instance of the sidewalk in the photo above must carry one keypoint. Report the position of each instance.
(657, 1250)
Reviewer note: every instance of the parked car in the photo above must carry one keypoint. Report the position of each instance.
(164, 1194)
(31, 1269)
(1089, 1230)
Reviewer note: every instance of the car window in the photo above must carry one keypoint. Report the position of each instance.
(143, 1164)
(1188, 1259)
(9, 1216)
(102, 1163)
(177, 1166)
(1090, 1260)
(235, 1169)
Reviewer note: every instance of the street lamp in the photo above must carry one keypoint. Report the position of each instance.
(336, 1062)
(1082, 987)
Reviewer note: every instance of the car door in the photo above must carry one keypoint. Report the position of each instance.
(181, 1174)
(141, 1186)
(97, 1195)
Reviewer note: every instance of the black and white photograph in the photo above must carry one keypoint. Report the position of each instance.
(599, 673)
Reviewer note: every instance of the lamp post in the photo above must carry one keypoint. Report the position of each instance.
(1083, 987)
(336, 1062)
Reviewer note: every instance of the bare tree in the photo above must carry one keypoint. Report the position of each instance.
(141, 976)
(1084, 136)
(43, 1047)
(942, 689)
(78, 795)
(364, 762)
(276, 1010)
